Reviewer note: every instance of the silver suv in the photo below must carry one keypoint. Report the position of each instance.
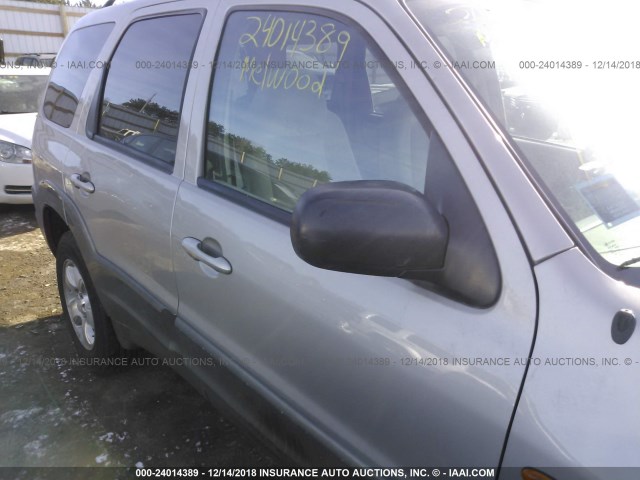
(382, 233)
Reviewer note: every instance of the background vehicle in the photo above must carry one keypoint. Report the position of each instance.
(21, 90)
(36, 60)
(366, 245)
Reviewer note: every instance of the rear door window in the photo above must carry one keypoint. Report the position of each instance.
(143, 92)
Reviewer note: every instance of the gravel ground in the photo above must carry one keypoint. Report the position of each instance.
(57, 414)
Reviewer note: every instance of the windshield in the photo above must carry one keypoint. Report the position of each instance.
(563, 78)
(21, 93)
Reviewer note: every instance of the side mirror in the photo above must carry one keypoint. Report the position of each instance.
(379, 228)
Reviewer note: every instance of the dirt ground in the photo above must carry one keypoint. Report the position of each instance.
(28, 288)
(57, 413)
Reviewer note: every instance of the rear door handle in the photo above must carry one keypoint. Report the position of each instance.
(208, 252)
(82, 183)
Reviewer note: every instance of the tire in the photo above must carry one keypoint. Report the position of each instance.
(90, 328)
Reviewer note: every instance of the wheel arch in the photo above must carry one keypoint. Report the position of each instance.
(53, 227)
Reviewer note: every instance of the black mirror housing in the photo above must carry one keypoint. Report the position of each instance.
(382, 228)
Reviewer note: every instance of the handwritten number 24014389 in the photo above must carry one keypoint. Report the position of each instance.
(307, 36)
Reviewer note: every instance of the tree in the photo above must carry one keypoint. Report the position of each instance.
(152, 109)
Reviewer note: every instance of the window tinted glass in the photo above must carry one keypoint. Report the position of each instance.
(143, 92)
(302, 99)
(73, 67)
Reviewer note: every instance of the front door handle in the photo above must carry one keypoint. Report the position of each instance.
(208, 252)
(82, 183)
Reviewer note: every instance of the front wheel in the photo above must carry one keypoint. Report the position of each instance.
(91, 329)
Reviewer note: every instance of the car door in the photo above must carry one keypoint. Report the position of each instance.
(384, 371)
(127, 192)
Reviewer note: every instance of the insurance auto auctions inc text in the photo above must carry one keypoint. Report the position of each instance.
(369, 473)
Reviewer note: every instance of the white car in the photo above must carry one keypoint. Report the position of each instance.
(20, 92)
